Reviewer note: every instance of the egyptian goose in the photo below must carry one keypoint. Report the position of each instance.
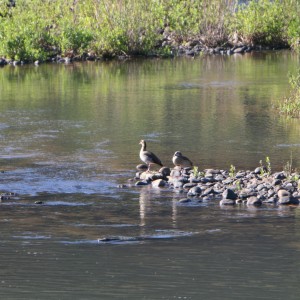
(148, 157)
(180, 160)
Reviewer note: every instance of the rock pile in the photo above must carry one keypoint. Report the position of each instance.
(251, 187)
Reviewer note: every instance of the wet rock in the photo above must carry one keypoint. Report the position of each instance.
(284, 197)
(260, 187)
(240, 174)
(289, 187)
(294, 201)
(165, 171)
(228, 181)
(194, 179)
(239, 50)
(177, 184)
(247, 192)
(251, 187)
(148, 176)
(195, 191)
(219, 178)
(175, 173)
(186, 171)
(185, 200)
(276, 182)
(270, 200)
(227, 202)
(205, 179)
(159, 183)
(142, 183)
(3, 62)
(260, 170)
(189, 185)
(229, 194)
(208, 191)
(271, 193)
(142, 167)
(16, 62)
(254, 201)
(212, 172)
(279, 175)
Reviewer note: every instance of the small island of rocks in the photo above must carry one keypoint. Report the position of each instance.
(229, 187)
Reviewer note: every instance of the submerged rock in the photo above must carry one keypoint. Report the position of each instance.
(142, 183)
(159, 183)
(227, 202)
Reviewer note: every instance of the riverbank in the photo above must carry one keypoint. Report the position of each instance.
(193, 50)
(229, 187)
(63, 31)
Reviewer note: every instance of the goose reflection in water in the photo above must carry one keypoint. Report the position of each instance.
(145, 199)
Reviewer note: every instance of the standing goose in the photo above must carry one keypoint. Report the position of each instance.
(148, 157)
(180, 160)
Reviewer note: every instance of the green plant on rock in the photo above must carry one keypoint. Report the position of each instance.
(232, 171)
(288, 167)
(238, 185)
(265, 169)
(196, 172)
(295, 177)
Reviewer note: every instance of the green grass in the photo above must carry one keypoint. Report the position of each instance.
(35, 29)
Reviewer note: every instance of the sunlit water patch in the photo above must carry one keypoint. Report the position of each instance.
(158, 235)
(287, 145)
(32, 182)
(106, 225)
(65, 203)
(32, 236)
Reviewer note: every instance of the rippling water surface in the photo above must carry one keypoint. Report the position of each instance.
(69, 135)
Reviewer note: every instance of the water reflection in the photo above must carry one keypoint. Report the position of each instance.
(144, 206)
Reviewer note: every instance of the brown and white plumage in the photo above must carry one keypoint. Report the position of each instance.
(180, 160)
(148, 157)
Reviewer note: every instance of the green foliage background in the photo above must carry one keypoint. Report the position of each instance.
(35, 29)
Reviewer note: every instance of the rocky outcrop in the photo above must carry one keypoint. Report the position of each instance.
(253, 188)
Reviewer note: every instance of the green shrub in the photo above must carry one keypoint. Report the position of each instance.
(262, 22)
(290, 106)
(126, 27)
(293, 33)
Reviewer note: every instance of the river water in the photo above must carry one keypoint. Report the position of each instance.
(69, 135)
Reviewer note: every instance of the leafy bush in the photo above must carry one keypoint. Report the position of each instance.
(290, 106)
(262, 22)
(293, 33)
